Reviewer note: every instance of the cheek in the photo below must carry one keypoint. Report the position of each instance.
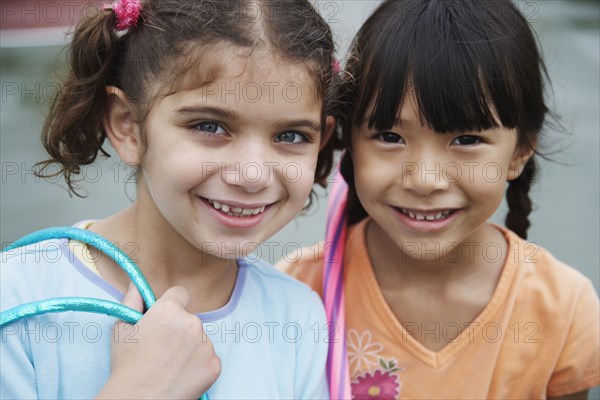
(485, 184)
(371, 175)
(495, 172)
(300, 177)
(182, 162)
(296, 176)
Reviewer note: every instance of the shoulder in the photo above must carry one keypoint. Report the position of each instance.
(552, 291)
(274, 283)
(565, 308)
(542, 271)
(32, 272)
(271, 295)
(306, 265)
(32, 260)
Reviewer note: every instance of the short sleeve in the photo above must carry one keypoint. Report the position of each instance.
(578, 367)
(311, 354)
(17, 375)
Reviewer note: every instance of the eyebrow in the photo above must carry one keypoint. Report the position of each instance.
(224, 113)
(221, 112)
(302, 123)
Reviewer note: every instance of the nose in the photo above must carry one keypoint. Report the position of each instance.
(424, 174)
(250, 170)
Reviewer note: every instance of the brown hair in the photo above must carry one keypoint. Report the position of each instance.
(456, 56)
(163, 47)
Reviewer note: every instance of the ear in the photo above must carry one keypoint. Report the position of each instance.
(121, 129)
(520, 158)
(328, 131)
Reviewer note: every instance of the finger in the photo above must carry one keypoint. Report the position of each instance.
(133, 299)
(177, 293)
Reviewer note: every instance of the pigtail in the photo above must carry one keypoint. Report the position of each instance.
(73, 133)
(519, 203)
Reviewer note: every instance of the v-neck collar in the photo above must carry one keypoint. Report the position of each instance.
(377, 303)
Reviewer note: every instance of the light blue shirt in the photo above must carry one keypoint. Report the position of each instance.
(271, 336)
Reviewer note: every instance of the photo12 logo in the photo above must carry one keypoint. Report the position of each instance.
(271, 332)
(16, 14)
(67, 332)
(489, 332)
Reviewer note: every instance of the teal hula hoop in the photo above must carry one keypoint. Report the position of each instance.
(83, 304)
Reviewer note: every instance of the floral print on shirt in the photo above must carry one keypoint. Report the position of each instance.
(373, 376)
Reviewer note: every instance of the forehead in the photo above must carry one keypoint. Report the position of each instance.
(407, 114)
(235, 77)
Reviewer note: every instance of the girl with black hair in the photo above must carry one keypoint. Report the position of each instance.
(440, 112)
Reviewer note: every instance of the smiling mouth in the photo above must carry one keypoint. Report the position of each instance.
(234, 211)
(436, 215)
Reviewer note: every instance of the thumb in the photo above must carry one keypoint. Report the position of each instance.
(133, 299)
(177, 293)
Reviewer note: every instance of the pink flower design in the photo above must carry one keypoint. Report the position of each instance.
(381, 386)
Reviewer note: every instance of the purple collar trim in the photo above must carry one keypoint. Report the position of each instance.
(116, 294)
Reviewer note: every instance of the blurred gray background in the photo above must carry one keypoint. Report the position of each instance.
(566, 219)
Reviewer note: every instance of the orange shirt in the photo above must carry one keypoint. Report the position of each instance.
(537, 337)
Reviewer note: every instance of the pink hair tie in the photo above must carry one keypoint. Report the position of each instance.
(337, 68)
(127, 13)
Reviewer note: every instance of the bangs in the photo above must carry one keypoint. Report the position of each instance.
(464, 75)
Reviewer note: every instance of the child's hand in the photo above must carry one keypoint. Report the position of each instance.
(165, 355)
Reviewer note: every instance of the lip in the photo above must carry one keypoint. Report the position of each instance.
(425, 226)
(431, 211)
(238, 204)
(237, 222)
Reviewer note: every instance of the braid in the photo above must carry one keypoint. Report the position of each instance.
(519, 203)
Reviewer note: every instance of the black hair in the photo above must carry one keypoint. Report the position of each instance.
(472, 66)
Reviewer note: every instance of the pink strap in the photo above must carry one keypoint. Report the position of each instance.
(333, 290)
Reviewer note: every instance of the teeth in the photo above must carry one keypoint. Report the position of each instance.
(236, 211)
(420, 217)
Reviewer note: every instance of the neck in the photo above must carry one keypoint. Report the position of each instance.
(433, 267)
(165, 258)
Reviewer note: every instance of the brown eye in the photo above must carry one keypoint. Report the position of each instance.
(390, 137)
(467, 140)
